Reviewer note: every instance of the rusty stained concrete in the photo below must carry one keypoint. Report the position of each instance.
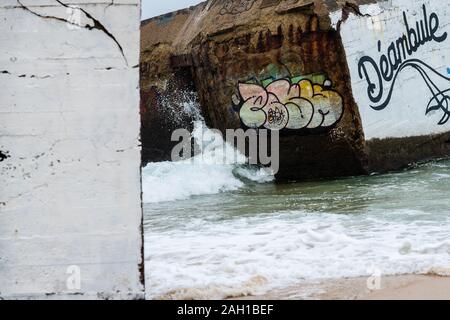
(211, 48)
(215, 52)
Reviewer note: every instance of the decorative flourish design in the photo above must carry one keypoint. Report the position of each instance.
(440, 97)
(288, 104)
(236, 6)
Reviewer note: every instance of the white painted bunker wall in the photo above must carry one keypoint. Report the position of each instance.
(70, 192)
(405, 115)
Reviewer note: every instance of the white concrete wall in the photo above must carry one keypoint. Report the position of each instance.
(70, 192)
(405, 114)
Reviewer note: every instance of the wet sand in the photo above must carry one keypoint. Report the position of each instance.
(406, 287)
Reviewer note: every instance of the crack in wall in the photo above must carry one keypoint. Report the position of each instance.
(33, 76)
(346, 10)
(97, 25)
(109, 5)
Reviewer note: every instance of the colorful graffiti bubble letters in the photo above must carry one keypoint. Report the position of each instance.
(286, 105)
(236, 6)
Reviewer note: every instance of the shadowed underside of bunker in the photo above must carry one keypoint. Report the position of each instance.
(239, 56)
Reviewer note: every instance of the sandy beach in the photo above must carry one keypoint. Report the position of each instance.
(405, 287)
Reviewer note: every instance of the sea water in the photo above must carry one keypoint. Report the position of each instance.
(215, 230)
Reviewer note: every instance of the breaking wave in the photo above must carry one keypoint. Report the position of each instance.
(217, 168)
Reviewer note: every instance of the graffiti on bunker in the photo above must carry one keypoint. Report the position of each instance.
(236, 6)
(307, 102)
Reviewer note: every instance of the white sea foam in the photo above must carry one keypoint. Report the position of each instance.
(214, 260)
(218, 168)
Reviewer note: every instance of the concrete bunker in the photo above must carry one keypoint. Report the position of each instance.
(294, 62)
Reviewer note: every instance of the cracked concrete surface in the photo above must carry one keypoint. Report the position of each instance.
(69, 104)
(93, 23)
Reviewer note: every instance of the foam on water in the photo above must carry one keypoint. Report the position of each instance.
(217, 168)
(268, 236)
(215, 261)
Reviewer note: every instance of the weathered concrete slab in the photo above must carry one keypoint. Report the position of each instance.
(70, 200)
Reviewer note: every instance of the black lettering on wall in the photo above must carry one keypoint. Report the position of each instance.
(383, 73)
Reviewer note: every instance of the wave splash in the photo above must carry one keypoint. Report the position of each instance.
(218, 167)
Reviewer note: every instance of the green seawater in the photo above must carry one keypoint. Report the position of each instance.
(210, 246)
